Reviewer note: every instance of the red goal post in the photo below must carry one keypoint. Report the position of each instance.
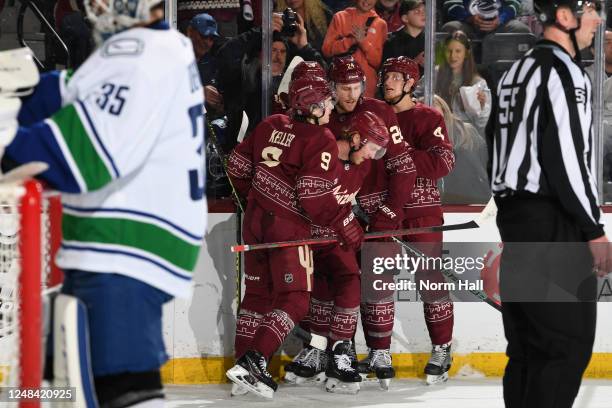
(30, 234)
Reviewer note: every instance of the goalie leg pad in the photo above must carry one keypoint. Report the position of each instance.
(129, 389)
(71, 363)
(125, 321)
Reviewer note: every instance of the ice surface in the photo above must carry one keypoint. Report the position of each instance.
(457, 393)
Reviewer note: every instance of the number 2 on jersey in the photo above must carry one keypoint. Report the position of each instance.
(396, 134)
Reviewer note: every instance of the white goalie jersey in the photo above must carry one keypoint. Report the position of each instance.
(124, 139)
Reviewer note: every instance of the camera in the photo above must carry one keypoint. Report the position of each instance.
(290, 25)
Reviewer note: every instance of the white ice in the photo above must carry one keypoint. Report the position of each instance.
(457, 393)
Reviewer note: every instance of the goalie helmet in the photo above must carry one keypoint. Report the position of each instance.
(308, 92)
(371, 128)
(112, 16)
(345, 70)
(308, 68)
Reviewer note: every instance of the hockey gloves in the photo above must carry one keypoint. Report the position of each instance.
(384, 220)
(350, 233)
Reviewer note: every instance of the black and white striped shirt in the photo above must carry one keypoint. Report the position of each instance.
(542, 134)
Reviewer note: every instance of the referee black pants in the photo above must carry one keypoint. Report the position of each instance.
(548, 295)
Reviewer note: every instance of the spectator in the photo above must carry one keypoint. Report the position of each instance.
(240, 79)
(607, 56)
(457, 71)
(202, 31)
(337, 5)
(389, 10)
(410, 41)
(478, 18)
(74, 30)
(316, 16)
(468, 183)
(360, 32)
(225, 12)
(607, 113)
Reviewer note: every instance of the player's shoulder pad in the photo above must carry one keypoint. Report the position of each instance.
(376, 106)
(122, 47)
(426, 111)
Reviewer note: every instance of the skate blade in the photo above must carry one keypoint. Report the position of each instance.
(315, 379)
(290, 378)
(368, 377)
(338, 387)
(238, 390)
(436, 379)
(241, 377)
(384, 383)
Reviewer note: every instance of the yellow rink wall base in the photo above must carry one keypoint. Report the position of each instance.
(211, 370)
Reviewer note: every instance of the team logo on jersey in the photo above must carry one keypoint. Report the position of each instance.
(288, 278)
(343, 197)
(123, 47)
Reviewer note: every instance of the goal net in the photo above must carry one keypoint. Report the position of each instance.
(29, 237)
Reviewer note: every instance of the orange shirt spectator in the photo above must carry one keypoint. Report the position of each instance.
(388, 10)
(360, 31)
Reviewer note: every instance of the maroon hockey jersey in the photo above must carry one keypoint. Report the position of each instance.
(424, 128)
(391, 179)
(289, 168)
(350, 179)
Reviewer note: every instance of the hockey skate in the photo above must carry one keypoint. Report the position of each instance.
(439, 363)
(342, 377)
(250, 372)
(307, 367)
(377, 366)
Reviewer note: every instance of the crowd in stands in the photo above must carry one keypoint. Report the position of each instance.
(227, 40)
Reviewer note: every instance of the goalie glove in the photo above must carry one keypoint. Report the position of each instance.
(350, 233)
(385, 219)
(9, 109)
(18, 72)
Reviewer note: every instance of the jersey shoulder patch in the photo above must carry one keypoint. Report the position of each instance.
(123, 47)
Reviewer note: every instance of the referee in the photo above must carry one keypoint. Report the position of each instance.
(543, 179)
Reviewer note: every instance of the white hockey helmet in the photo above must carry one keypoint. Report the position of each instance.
(112, 16)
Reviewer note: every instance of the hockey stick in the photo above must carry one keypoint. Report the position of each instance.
(488, 211)
(369, 235)
(450, 276)
(239, 209)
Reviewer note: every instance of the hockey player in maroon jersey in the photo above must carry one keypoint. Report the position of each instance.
(301, 70)
(335, 300)
(433, 156)
(385, 191)
(288, 169)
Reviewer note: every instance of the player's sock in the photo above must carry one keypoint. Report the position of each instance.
(439, 318)
(377, 319)
(319, 316)
(246, 326)
(271, 332)
(343, 323)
